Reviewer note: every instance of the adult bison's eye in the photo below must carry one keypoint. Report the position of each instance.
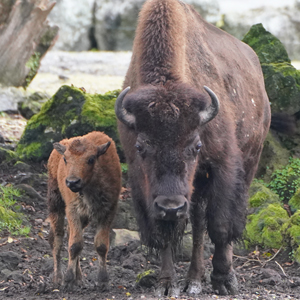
(65, 160)
(91, 160)
(198, 146)
(139, 148)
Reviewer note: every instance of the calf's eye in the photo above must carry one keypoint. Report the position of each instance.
(65, 160)
(91, 160)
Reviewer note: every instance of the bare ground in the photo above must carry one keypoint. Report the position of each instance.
(26, 263)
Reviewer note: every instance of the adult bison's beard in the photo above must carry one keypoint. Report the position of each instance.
(166, 233)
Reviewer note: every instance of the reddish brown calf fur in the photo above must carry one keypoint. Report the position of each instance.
(84, 184)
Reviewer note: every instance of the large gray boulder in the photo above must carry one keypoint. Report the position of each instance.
(282, 22)
(74, 19)
(116, 20)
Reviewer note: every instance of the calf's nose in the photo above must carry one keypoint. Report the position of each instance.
(74, 184)
(171, 208)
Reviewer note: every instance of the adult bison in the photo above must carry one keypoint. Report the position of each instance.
(190, 154)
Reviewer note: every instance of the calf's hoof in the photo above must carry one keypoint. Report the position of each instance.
(103, 280)
(225, 284)
(57, 279)
(193, 287)
(72, 280)
(167, 287)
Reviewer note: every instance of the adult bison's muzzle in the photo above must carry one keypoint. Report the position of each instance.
(171, 208)
(74, 184)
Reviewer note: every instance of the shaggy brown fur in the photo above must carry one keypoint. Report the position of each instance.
(84, 184)
(175, 54)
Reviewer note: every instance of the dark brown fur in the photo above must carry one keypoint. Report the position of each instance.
(100, 174)
(175, 54)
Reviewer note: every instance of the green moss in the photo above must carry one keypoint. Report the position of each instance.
(297, 255)
(260, 196)
(7, 155)
(70, 112)
(33, 64)
(294, 202)
(144, 274)
(264, 228)
(273, 157)
(268, 48)
(10, 219)
(291, 231)
(282, 82)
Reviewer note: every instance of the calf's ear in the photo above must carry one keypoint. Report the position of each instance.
(59, 148)
(103, 148)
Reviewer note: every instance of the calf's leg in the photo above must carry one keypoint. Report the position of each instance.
(73, 273)
(56, 208)
(101, 242)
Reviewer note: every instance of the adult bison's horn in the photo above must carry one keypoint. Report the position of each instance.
(209, 113)
(122, 114)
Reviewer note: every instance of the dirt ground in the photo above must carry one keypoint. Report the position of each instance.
(26, 263)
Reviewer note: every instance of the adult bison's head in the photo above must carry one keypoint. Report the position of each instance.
(167, 122)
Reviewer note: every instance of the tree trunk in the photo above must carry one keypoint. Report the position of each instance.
(25, 37)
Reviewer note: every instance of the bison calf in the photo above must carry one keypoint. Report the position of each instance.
(84, 184)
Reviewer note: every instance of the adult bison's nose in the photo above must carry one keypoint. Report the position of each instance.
(74, 184)
(171, 208)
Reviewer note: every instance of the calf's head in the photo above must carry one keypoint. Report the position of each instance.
(167, 123)
(80, 157)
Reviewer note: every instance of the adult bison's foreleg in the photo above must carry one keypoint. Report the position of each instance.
(196, 270)
(223, 277)
(226, 220)
(167, 279)
(73, 273)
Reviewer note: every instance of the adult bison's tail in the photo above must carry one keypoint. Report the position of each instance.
(283, 123)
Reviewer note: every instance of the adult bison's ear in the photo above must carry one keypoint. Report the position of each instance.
(211, 111)
(59, 148)
(122, 114)
(103, 148)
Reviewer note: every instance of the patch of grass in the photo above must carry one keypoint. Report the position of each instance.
(286, 181)
(10, 219)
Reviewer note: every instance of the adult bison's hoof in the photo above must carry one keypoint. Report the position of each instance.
(193, 287)
(167, 288)
(225, 284)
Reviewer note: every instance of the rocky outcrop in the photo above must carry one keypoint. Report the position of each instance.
(283, 22)
(74, 19)
(107, 25)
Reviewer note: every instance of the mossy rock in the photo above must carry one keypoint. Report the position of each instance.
(282, 82)
(291, 232)
(264, 228)
(70, 112)
(260, 197)
(7, 156)
(274, 156)
(294, 202)
(268, 48)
